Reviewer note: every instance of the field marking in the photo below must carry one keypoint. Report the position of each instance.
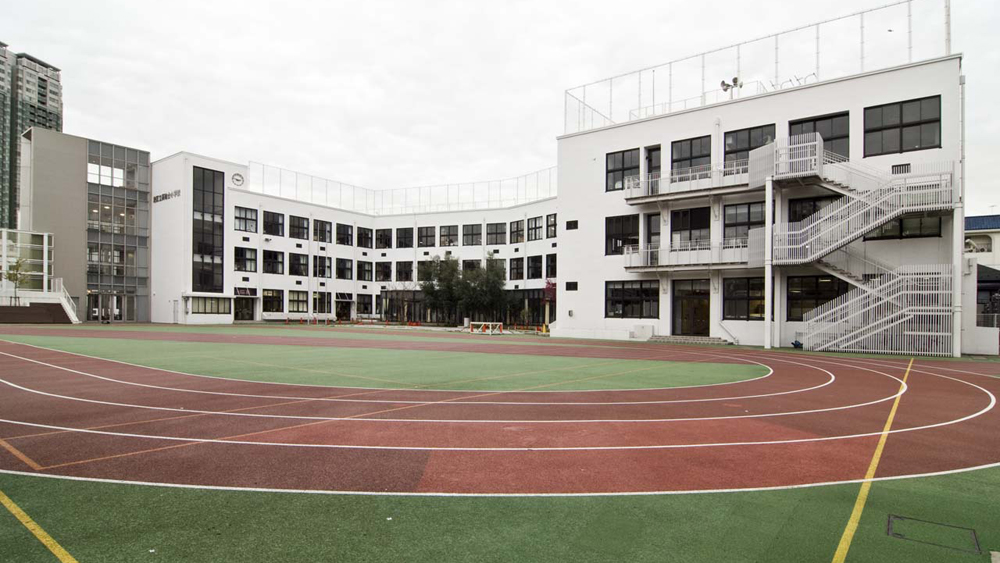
(20, 455)
(312, 385)
(36, 530)
(859, 504)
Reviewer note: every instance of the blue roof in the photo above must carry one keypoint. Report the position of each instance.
(982, 222)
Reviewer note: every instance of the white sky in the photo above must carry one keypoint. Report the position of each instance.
(395, 94)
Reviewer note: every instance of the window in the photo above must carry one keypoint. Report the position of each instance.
(245, 220)
(805, 293)
(383, 271)
(345, 269)
(620, 165)
(517, 268)
(364, 271)
(298, 264)
(496, 233)
(425, 237)
(516, 231)
(572, 286)
(274, 224)
(322, 302)
(632, 299)
(383, 238)
(365, 239)
(799, 209)
(273, 300)
(245, 259)
(210, 306)
(691, 159)
(274, 262)
(743, 299)
(449, 235)
(322, 266)
(364, 304)
(835, 130)
(472, 235)
(345, 234)
(738, 219)
(298, 227)
(550, 265)
(690, 228)
(425, 270)
(619, 232)
(322, 231)
(550, 226)
(298, 301)
(904, 126)
(404, 237)
(910, 226)
(740, 143)
(535, 228)
(404, 271)
(208, 228)
(469, 265)
(572, 225)
(534, 267)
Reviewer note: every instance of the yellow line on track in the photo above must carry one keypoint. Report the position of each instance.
(859, 505)
(37, 530)
(20, 455)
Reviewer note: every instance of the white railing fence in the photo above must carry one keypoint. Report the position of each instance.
(679, 180)
(856, 265)
(689, 253)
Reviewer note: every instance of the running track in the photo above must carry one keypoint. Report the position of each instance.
(812, 420)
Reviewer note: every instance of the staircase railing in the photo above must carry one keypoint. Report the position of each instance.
(859, 265)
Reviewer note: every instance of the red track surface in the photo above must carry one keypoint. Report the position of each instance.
(813, 420)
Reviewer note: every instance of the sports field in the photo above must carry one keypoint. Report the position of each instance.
(337, 444)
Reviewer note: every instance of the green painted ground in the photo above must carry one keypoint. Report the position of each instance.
(110, 523)
(380, 368)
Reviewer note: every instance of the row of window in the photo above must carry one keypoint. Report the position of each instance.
(742, 298)
(245, 260)
(323, 231)
(273, 301)
(889, 129)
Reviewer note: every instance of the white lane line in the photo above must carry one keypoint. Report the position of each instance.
(387, 389)
(830, 379)
(513, 495)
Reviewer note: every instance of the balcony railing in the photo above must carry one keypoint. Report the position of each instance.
(680, 180)
(691, 253)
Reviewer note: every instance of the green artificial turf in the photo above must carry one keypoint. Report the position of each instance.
(111, 522)
(382, 368)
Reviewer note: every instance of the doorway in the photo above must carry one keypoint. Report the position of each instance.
(244, 308)
(691, 308)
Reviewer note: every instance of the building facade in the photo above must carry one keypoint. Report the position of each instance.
(94, 197)
(30, 96)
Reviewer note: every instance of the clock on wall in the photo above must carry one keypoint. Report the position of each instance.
(237, 179)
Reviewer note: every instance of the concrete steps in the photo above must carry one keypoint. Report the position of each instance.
(36, 313)
(689, 340)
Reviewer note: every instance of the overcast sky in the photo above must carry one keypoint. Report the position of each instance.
(395, 94)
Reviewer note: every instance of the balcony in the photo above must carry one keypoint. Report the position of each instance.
(730, 252)
(681, 182)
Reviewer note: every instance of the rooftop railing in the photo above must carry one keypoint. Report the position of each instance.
(881, 37)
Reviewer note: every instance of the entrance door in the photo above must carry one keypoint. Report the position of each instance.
(691, 308)
(244, 309)
(343, 310)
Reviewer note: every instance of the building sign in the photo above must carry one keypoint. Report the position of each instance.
(166, 196)
(237, 179)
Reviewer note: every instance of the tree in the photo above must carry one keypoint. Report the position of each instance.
(16, 274)
(441, 291)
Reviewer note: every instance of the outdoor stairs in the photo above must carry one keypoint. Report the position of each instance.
(35, 313)
(663, 339)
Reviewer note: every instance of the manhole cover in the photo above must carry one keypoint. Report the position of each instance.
(934, 533)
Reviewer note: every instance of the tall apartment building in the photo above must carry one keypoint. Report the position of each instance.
(30, 96)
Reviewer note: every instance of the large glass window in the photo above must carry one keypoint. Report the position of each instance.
(690, 228)
(740, 143)
(364, 304)
(620, 165)
(517, 231)
(534, 267)
(211, 305)
(472, 235)
(835, 130)
(404, 271)
(298, 227)
(322, 231)
(799, 209)
(364, 271)
(496, 233)
(383, 238)
(903, 126)
(517, 268)
(322, 266)
(743, 299)
(273, 300)
(364, 237)
(909, 226)
(550, 265)
(425, 237)
(208, 229)
(322, 302)
(298, 264)
(245, 220)
(274, 262)
(535, 228)
(298, 301)
(691, 159)
(619, 232)
(449, 235)
(404, 237)
(632, 299)
(245, 259)
(805, 293)
(383, 271)
(550, 226)
(345, 269)
(740, 218)
(469, 265)
(345, 234)
(274, 224)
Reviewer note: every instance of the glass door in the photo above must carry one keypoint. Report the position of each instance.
(691, 308)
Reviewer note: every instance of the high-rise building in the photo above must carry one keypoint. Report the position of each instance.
(30, 96)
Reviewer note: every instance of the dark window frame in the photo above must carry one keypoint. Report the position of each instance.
(404, 237)
(687, 154)
(344, 269)
(366, 237)
(737, 144)
(495, 235)
(803, 302)
(551, 225)
(472, 234)
(245, 219)
(896, 228)
(366, 271)
(516, 268)
(404, 271)
(322, 231)
(550, 266)
(633, 299)
(517, 231)
(743, 299)
(298, 227)
(535, 265)
(426, 237)
(273, 300)
(383, 238)
(618, 166)
(298, 264)
(831, 142)
(345, 234)
(274, 224)
(739, 227)
(274, 262)
(618, 234)
(894, 131)
(535, 228)
(383, 271)
(244, 259)
(448, 235)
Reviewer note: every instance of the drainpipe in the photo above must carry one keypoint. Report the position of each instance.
(768, 268)
(958, 238)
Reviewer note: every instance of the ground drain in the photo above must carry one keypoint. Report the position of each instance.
(934, 533)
